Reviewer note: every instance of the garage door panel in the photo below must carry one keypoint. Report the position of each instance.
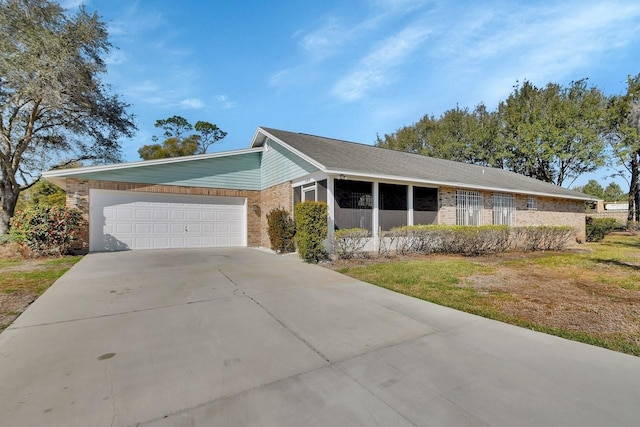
(134, 220)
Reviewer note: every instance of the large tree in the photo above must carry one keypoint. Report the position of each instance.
(554, 133)
(459, 134)
(179, 139)
(625, 140)
(54, 107)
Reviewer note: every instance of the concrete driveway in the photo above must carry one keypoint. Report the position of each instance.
(243, 337)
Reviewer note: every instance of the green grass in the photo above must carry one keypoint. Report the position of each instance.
(437, 281)
(8, 262)
(614, 262)
(30, 277)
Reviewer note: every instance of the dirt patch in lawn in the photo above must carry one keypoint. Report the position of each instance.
(592, 289)
(549, 298)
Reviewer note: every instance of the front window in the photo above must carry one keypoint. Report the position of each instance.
(468, 207)
(504, 209)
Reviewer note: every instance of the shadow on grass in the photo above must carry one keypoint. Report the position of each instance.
(618, 263)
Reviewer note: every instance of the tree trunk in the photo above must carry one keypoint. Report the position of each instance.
(633, 210)
(9, 200)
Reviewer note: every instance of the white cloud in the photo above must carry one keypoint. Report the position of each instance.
(225, 102)
(191, 104)
(115, 57)
(374, 70)
(72, 4)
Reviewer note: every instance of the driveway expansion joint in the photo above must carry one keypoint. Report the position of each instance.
(292, 332)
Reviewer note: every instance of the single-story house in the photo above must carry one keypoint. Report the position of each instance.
(222, 199)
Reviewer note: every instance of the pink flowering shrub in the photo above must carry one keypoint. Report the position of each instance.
(46, 230)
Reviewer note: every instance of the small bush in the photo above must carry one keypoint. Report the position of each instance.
(311, 223)
(46, 230)
(350, 242)
(598, 228)
(282, 230)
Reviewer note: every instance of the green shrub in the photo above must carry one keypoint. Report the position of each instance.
(468, 240)
(350, 242)
(46, 230)
(541, 237)
(598, 228)
(282, 229)
(311, 224)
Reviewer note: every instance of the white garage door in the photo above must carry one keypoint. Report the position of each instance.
(121, 220)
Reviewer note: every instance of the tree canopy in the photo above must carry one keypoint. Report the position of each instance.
(179, 141)
(624, 137)
(552, 133)
(54, 107)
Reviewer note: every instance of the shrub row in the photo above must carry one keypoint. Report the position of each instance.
(46, 230)
(429, 239)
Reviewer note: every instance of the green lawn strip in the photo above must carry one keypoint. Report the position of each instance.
(438, 281)
(37, 279)
(435, 281)
(9, 262)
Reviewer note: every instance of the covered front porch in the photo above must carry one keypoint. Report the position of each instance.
(371, 204)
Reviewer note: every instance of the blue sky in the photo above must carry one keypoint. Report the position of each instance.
(351, 69)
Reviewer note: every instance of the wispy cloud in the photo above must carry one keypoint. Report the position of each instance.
(116, 57)
(191, 104)
(225, 102)
(72, 4)
(374, 70)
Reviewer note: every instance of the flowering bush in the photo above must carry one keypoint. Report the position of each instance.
(46, 230)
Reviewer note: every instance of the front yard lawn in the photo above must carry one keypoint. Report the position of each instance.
(589, 294)
(22, 281)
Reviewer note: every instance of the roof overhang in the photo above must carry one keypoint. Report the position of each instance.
(408, 180)
(59, 176)
(259, 138)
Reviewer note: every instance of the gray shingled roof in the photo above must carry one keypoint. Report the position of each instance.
(361, 159)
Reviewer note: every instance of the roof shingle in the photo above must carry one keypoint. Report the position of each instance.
(361, 159)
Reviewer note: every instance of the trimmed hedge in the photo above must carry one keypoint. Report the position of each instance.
(350, 242)
(312, 226)
(46, 230)
(282, 230)
(465, 240)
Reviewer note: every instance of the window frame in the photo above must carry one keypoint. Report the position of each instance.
(469, 207)
(504, 209)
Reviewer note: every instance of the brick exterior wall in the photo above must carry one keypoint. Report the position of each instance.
(549, 211)
(78, 196)
(278, 196)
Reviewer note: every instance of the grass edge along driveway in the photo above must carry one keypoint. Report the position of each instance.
(22, 281)
(590, 294)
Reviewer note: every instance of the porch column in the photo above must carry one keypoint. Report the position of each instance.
(331, 206)
(410, 204)
(375, 222)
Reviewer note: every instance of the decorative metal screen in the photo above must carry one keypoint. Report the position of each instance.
(504, 209)
(468, 207)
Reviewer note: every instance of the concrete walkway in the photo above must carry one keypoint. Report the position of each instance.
(243, 337)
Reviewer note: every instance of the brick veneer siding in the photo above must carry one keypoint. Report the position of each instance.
(549, 211)
(278, 196)
(78, 196)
